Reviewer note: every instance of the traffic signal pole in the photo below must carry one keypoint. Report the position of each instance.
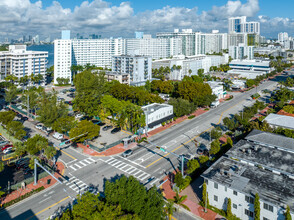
(165, 150)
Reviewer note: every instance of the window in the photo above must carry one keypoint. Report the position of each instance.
(235, 193)
(248, 213)
(215, 198)
(264, 218)
(215, 185)
(234, 206)
(249, 199)
(268, 207)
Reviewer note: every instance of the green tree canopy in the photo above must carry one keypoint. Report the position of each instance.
(84, 127)
(192, 165)
(214, 147)
(64, 124)
(11, 94)
(256, 207)
(16, 128)
(50, 109)
(7, 117)
(35, 144)
(134, 198)
(181, 106)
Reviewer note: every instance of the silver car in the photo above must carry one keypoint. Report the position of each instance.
(127, 153)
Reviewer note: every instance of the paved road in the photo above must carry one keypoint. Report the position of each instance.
(148, 163)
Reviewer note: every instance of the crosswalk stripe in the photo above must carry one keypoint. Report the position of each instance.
(88, 162)
(76, 189)
(117, 162)
(79, 182)
(134, 169)
(127, 170)
(70, 182)
(121, 165)
(110, 163)
(145, 177)
(118, 165)
(111, 158)
(136, 173)
(83, 163)
(72, 167)
(142, 174)
(77, 165)
(89, 158)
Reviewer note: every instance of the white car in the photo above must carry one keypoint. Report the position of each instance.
(57, 136)
(39, 126)
(7, 150)
(78, 116)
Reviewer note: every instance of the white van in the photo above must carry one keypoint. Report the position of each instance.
(57, 136)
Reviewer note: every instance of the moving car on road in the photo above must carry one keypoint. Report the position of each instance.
(127, 153)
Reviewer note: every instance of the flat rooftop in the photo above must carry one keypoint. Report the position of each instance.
(274, 188)
(270, 158)
(280, 120)
(270, 139)
(154, 107)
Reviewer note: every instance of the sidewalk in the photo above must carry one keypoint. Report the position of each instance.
(42, 182)
(118, 149)
(191, 201)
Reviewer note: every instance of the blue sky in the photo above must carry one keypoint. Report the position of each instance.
(122, 18)
(267, 7)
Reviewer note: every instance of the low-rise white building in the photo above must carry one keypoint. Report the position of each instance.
(155, 114)
(261, 164)
(123, 78)
(217, 89)
(182, 66)
(251, 65)
(248, 74)
(20, 62)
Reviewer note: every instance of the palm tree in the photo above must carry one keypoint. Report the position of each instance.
(49, 152)
(179, 200)
(169, 209)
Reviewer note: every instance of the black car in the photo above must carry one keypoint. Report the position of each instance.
(106, 128)
(85, 118)
(115, 130)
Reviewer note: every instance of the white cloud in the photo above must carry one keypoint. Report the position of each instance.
(20, 17)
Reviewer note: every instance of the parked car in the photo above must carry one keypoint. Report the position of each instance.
(2, 143)
(106, 128)
(78, 116)
(97, 122)
(57, 136)
(39, 126)
(85, 118)
(6, 146)
(115, 130)
(127, 153)
(8, 150)
(27, 171)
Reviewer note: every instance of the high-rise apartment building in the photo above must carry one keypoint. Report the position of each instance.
(155, 47)
(96, 52)
(20, 62)
(139, 67)
(240, 25)
(195, 43)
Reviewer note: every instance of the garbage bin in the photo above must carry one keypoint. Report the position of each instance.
(48, 181)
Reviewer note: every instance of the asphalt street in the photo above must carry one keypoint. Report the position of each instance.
(147, 163)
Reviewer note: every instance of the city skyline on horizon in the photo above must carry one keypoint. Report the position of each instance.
(121, 19)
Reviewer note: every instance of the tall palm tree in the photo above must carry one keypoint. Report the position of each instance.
(179, 200)
(169, 209)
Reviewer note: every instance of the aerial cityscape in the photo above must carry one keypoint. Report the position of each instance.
(129, 110)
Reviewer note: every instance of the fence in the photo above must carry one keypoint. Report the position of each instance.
(4, 133)
(21, 111)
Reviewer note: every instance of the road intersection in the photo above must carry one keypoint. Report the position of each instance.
(148, 164)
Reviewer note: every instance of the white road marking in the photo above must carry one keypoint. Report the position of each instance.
(116, 162)
(89, 158)
(44, 200)
(77, 165)
(111, 158)
(83, 163)
(73, 168)
(145, 177)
